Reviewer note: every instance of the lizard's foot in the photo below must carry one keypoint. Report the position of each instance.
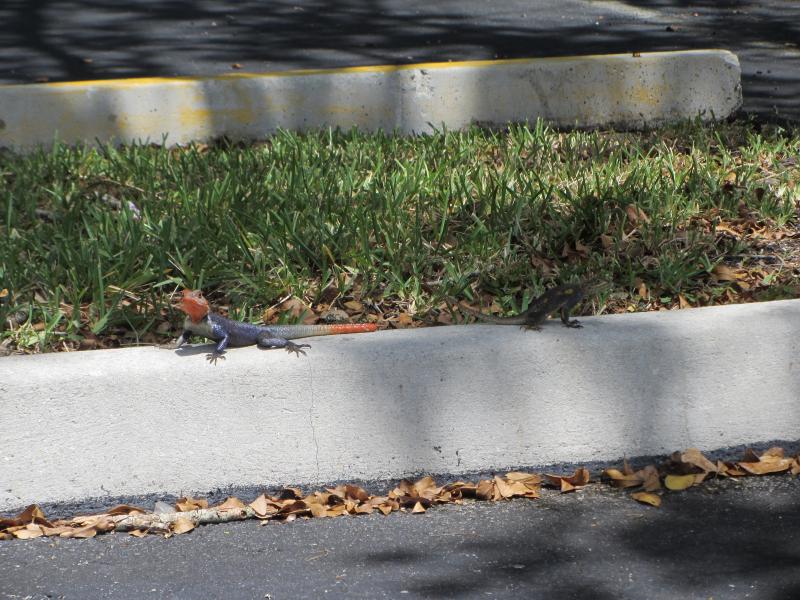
(296, 348)
(530, 327)
(213, 357)
(574, 323)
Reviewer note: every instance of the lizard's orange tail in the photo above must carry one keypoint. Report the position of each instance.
(353, 327)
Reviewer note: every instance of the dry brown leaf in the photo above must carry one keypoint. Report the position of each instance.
(566, 486)
(187, 504)
(580, 477)
(729, 230)
(724, 273)
(418, 508)
(503, 488)
(678, 482)
(607, 241)
(426, 483)
(230, 504)
(750, 455)
(290, 493)
(694, 458)
(444, 317)
(385, 508)
(767, 464)
(32, 514)
(127, 509)
(518, 489)
(484, 490)
(403, 320)
(295, 307)
(526, 477)
(295, 507)
(641, 289)
(581, 249)
(355, 492)
(647, 498)
(621, 480)
(572, 482)
(139, 533)
(733, 470)
(626, 467)
(336, 511)
(82, 532)
(683, 302)
(28, 532)
(354, 306)
(56, 530)
(263, 507)
(182, 525)
(636, 214)
(775, 451)
(651, 481)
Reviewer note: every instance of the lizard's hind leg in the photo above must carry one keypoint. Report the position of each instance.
(276, 342)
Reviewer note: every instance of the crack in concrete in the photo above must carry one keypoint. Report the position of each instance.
(311, 418)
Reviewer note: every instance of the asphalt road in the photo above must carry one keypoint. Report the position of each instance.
(98, 39)
(725, 540)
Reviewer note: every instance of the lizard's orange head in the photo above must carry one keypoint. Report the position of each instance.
(194, 305)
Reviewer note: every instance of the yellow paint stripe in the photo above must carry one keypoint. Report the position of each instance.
(136, 81)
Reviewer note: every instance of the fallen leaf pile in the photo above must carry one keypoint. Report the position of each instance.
(683, 470)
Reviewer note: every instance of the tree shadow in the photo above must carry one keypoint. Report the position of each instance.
(698, 544)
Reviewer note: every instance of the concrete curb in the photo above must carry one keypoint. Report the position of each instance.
(623, 90)
(372, 406)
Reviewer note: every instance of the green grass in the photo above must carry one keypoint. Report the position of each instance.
(401, 222)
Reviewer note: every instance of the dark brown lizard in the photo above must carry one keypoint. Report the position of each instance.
(561, 298)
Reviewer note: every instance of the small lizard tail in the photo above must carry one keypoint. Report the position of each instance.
(514, 320)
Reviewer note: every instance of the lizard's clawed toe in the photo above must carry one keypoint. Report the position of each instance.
(214, 357)
(297, 348)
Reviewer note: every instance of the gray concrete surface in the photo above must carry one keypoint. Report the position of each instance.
(383, 405)
(726, 540)
(102, 39)
(625, 91)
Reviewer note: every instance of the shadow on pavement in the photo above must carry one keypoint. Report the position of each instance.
(95, 39)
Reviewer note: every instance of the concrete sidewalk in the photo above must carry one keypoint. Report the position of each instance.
(372, 406)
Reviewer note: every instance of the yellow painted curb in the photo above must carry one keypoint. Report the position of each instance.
(628, 90)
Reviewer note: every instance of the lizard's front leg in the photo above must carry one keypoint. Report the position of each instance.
(273, 342)
(219, 351)
(185, 335)
(566, 320)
